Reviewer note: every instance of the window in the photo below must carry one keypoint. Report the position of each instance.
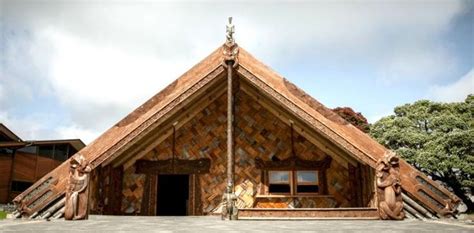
(293, 182)
(279, 182)
(28, 149)
(294, 176)
(6, 152)
(72, 151)
(307, 182)
(20, 186)
(46, 151)
(60, 152)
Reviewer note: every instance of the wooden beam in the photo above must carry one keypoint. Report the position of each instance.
(325, 145)
(293, 163)
(164, 132)
(176, 166)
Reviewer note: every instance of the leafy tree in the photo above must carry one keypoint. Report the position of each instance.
(355, 118)
(436, 138)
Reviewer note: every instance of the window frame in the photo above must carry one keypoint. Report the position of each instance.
(290, 181)
(293, 183)
(316, 183)
(292, 165)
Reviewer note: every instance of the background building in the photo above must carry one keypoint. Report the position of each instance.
(24, 162)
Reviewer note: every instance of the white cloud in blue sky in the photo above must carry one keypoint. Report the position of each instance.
(74, 68)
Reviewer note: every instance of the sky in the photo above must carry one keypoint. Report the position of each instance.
(72, 69)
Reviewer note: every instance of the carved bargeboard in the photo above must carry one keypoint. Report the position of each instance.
(77, 193)
(389, 188)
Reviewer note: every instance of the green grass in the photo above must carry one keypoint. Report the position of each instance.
(3, 215)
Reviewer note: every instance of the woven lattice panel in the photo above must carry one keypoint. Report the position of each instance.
(258, 133)
(132, 191)
(339, 184)
(245, 192)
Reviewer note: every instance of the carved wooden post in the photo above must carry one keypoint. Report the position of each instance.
(230, 127)
(230, 211)
(389, 188)
(148, 207)
(77, 193)
(115, 196)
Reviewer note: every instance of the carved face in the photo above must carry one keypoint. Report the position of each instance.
(74, 164)
(77, 161)
(393, 159)
(390, 159)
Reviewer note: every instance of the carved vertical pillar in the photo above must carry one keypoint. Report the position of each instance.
(145, 207)
(389, 191)
(148, 206)
(194, 195)
(230, 127)
(102, 176)
(197, 195)
(114, 194)
(353, 183)
(94, 191)
(230, 61)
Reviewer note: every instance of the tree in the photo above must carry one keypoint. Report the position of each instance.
(436, 138)
(355, 118)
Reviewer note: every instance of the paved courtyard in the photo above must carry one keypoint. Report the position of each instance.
(214, 224)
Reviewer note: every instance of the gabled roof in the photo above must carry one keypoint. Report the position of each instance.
(77, 144)
(336, 128)
(8, 139)
(140, 122)
(7, 134)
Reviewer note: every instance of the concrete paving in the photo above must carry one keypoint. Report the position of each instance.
(214, 224)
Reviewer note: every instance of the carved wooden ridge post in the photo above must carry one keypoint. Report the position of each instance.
(389, 188)
(77, 192)
(230, 210)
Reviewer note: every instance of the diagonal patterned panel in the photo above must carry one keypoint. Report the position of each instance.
(132, 191)
(257, 134)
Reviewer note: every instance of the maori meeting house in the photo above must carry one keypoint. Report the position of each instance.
(231, 137)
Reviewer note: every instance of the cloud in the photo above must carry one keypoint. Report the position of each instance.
(454, 92)
(28, 127)
(422, 63)
(94, 62)
(104, 83)
(374, 118)
(74, 131)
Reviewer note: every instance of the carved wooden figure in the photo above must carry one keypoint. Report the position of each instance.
(389, 187)
(77, 193)
(229, 209)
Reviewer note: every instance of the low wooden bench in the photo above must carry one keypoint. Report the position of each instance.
(309, 213)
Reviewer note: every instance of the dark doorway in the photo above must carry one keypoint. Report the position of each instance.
(172, 195)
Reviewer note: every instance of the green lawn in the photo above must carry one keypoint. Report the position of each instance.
(3, 215)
